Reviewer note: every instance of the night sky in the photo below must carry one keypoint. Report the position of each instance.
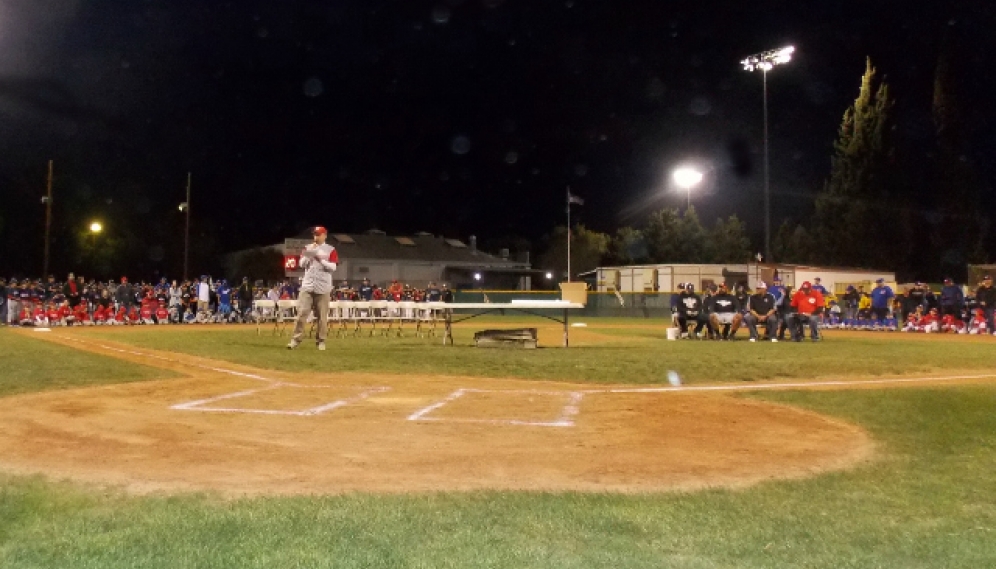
(455, 117)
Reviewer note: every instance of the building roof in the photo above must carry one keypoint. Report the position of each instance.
(425, 248)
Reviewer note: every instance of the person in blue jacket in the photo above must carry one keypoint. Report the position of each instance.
(881, 298)
(952, 299)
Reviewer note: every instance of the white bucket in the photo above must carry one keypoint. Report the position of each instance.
(672, 333)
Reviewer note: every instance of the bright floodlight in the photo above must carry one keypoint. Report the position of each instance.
(96, 227)
(768, 59)
(183, 206)
(687, 177)
(477, 276)
(549, 276)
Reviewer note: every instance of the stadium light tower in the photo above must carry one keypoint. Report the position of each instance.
(766, 61)
(687, 178)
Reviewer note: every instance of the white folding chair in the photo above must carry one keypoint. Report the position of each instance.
(425, 316)
(286, 312)
(263, 310)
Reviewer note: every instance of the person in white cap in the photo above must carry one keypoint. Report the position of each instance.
(762, 310)
(319, 260)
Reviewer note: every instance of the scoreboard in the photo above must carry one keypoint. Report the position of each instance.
(292, 256)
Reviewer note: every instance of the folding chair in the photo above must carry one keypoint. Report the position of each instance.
(263, 311)
(425, 316)
(378, 313)
(286, 312)
(407, 314)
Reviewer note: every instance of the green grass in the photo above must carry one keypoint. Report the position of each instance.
(929, 500)
(637, 355)
(27, 365)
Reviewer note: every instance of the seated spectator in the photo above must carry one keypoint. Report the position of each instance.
(761, 310)
(808, 304)
(978, 324)
(725, 314)
(953, 324)
(690, 311)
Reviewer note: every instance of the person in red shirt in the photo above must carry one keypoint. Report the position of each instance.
(808, 304)
(162, 314)
(133, 316)
(914, 322)
(953, 324)
(121, 318)
(395, 291)
(54, 315)
(25, 317)
(40, 316)
(68, 317)
(100, 315)
(931, 322)
(146, 314)
(978, 325)
(80, 315)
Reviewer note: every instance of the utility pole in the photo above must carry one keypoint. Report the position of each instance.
(186, 232)
(48, 218)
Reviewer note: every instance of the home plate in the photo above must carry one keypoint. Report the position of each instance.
(43, 329)
(579, 325)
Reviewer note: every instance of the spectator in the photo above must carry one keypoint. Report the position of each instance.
(690, 310)
(881, 300)
(761, 310)
(818, 287)
(447, 293)
(952, 299)
(851, 300)
(366, 291)
(725, 314)
(3, 302)
(245, 296)
(124, 295)
(808, 303)
(985, 296)
(203, 295)
(432, 293)
(72, 291)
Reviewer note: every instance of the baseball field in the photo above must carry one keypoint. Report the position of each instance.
(206, 446)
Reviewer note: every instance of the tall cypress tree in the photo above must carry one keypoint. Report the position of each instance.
(854, 209)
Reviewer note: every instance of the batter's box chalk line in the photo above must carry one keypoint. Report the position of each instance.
(206, 404)
(566, 418)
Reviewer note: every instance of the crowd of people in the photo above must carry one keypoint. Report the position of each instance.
(81, 302)
(779, 310)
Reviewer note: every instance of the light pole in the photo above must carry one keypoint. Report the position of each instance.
(687, 178)
(185, 207)
(765, 61)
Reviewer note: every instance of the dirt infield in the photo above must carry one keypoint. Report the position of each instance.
(238, 431)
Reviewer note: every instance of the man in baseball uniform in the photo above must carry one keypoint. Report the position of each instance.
(319, 261)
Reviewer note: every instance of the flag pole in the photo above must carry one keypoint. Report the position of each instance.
(568, 234)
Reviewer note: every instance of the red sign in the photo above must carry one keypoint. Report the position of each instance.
(291, 262)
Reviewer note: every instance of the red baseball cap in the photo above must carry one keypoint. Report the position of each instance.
(806, 284)
(319, 230)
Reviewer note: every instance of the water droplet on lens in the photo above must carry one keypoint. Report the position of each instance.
(700, 106)
(511, 157)
(580, 170)
(262, 32)
(313, 87)
(460, 145)
(440, 14)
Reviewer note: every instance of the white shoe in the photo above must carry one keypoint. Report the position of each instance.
(321, 346)
(753, 340)
(292, 345)
(774, 340)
